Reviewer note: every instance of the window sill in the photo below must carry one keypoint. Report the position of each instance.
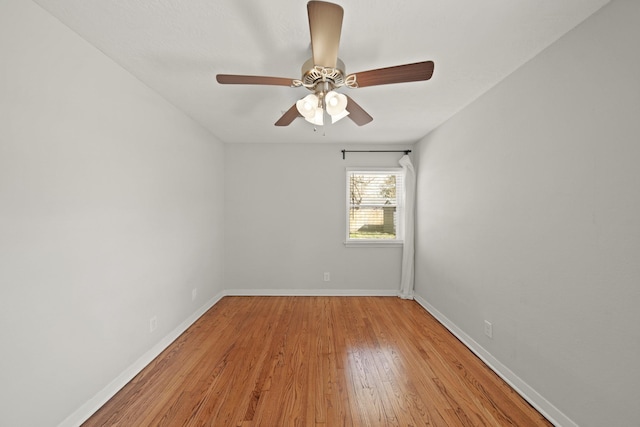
(373, 243)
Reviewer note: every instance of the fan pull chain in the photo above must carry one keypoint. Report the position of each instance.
(324, 132)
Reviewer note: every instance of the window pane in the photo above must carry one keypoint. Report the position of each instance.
(372, 222)
(373, 205)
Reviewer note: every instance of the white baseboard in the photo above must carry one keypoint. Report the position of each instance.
(553, 414)
(313, 292)
(92, 405)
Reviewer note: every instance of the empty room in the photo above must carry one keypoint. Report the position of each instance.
(253, 213)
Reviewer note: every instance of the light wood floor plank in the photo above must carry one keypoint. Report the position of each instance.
(316, 361)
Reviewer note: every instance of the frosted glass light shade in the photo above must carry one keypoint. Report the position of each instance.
(307, 106)
(335, 102)
(340, 116)
(317, 118)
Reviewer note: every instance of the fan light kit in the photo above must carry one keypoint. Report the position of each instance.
(312, 107)
(325, 72)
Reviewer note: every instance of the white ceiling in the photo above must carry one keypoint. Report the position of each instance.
(177, 47)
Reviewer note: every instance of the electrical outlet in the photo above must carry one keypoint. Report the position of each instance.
(488, 329)
(327, 276)
(153, 323)
(194, 294)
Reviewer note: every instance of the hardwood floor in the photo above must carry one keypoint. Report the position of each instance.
(316, 361)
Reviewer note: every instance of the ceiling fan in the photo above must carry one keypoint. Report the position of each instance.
(325, 72)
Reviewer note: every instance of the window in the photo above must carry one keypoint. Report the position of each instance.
(374, 206)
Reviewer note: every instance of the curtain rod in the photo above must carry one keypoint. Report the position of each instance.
(374, 151)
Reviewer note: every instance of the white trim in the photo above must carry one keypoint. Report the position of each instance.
(381, 243)
(546, 408)
(314, 292)
(92, 405)
(373, 169)
(553, 414)
(349, 242)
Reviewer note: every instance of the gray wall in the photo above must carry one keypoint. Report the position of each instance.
(113, 209)
(110, 213)
(285, 222)
(529, 217)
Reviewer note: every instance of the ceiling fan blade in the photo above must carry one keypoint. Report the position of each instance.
(357, 113)
(325, 25)
(234, 79)
(398, 74)
(288, 117)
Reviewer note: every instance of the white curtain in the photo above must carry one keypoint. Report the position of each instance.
(406, 279)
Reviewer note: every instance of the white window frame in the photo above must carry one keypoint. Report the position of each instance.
(398, 241)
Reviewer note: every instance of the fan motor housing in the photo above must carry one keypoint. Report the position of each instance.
(312, 74)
